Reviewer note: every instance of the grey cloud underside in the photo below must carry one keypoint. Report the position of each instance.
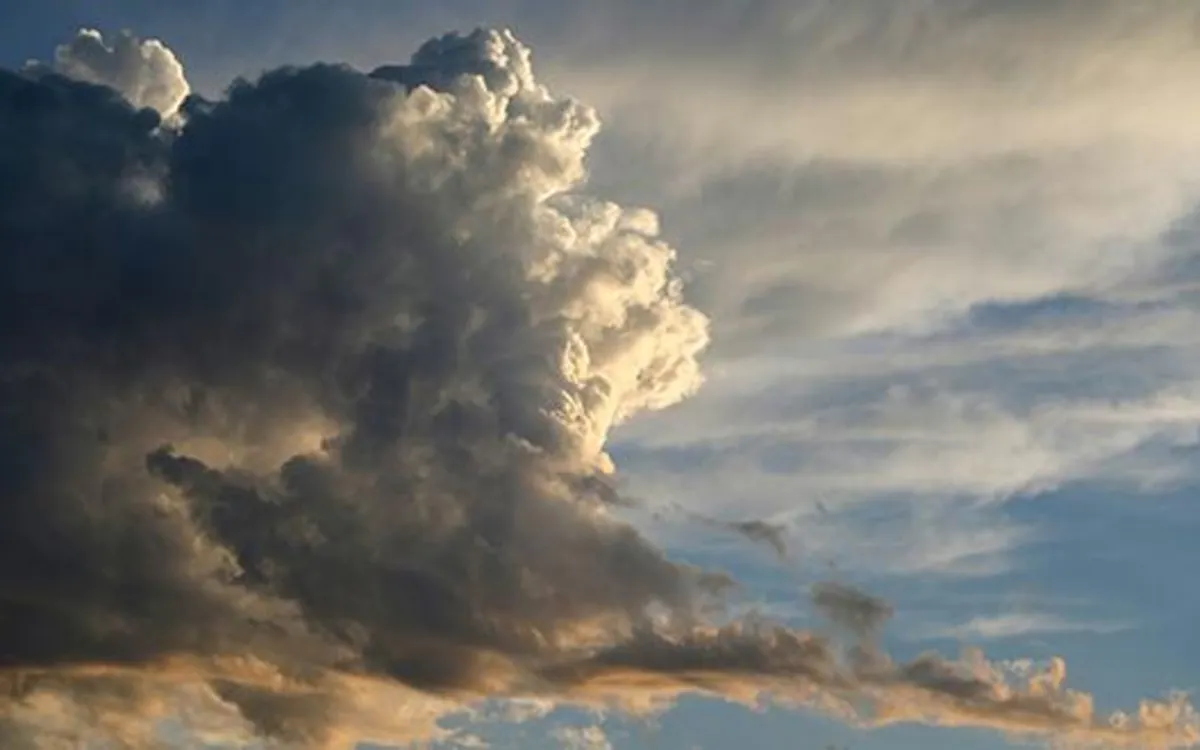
(303, 399)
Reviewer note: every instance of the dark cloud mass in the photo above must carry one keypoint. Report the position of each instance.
(303, 402)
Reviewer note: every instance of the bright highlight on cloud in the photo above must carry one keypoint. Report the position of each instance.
(305, 403)
(145, 72)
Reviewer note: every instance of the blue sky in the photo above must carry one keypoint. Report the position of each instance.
(945, 248)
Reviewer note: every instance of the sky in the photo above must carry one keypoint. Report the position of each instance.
(912, 285)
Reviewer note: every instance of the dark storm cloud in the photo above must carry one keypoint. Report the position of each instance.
(303, 402)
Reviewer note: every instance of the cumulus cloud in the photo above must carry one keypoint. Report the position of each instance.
(145, 72)
(304, 416)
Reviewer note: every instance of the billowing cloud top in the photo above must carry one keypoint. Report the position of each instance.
(304, 409)
(145, 72)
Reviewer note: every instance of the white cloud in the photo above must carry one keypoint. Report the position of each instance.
(886, 471)
(847, 167)
(1023, 624)
(916, 440)
(145, 72)
(582, 738)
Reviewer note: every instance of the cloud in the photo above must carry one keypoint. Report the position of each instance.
(747, 660)
(1046, 70)
(145, 72)
(305, 408)
(947, 249)
(929, 438)
(582, 738)
(874, 168)
(1018, 624)
(914, 473)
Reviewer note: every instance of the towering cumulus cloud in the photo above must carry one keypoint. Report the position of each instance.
(303, 404)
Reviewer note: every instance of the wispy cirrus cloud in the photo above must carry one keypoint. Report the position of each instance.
(1015, 625)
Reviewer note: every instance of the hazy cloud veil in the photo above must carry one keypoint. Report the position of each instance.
(304, 394)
